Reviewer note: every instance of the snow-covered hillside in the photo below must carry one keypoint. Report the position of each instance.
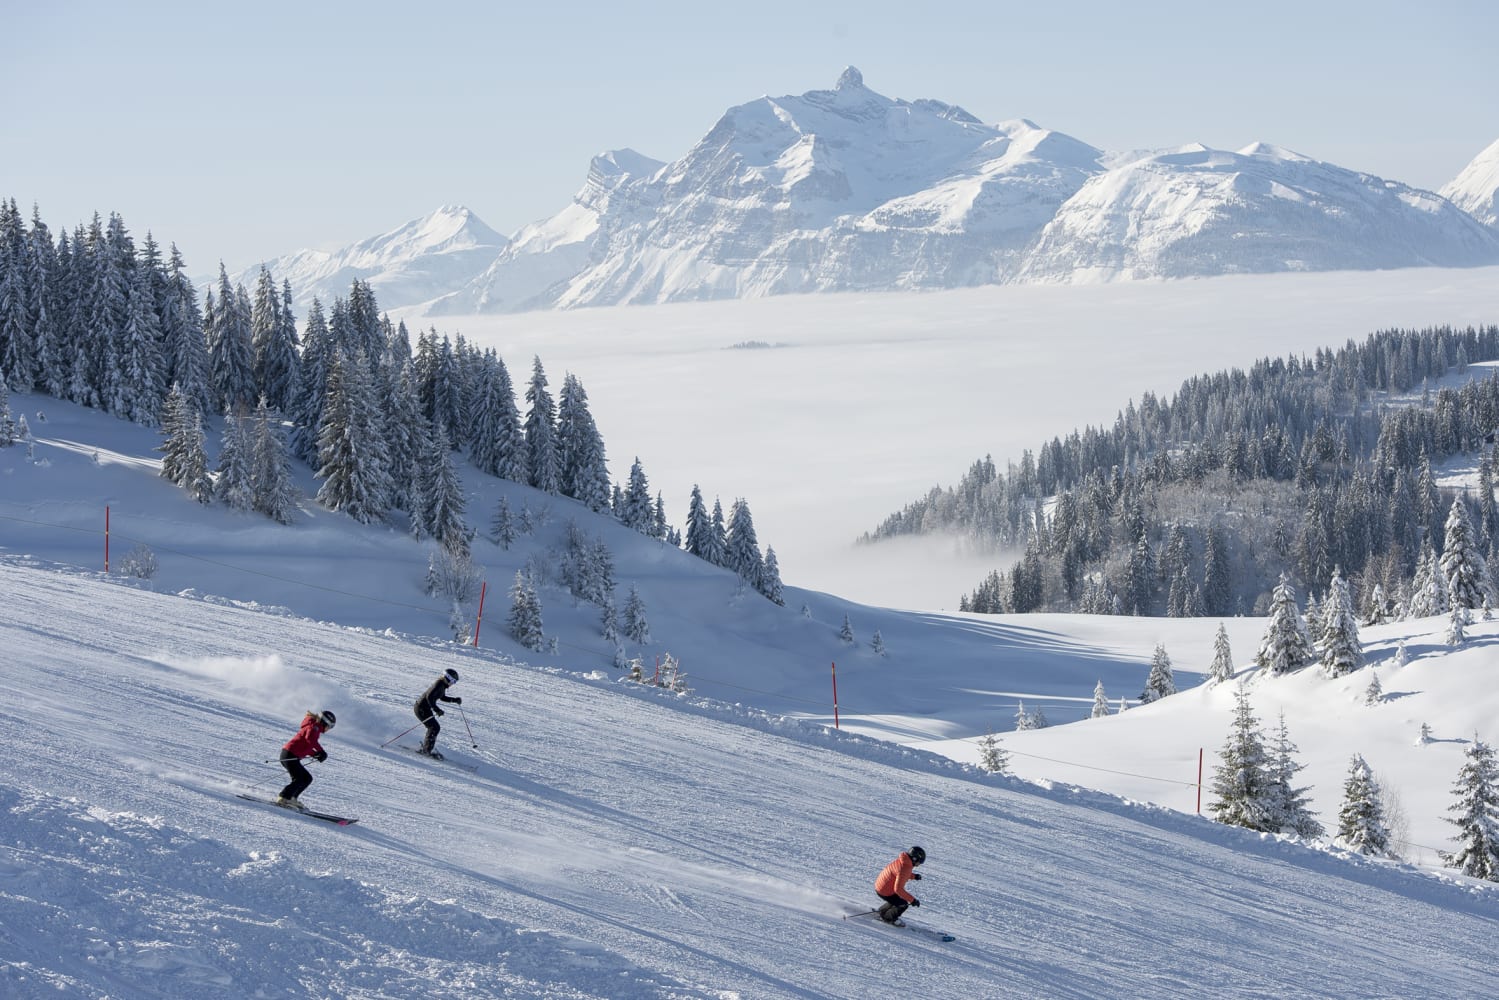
(849, 190)
(593, 838)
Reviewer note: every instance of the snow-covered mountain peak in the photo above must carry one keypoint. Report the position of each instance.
(1476, 189)
(1274, 151)
(851, 79)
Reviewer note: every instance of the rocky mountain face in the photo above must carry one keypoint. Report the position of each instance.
(849, 190)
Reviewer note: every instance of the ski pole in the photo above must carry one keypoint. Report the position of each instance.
(399, 735)
(464, 717)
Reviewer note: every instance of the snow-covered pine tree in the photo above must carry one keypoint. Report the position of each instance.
(1476, 813)
(1342, 652)
(699, 539)
(1378, 610)
(1023, 720)
(275, 494)
(184, 460)
(502, 527)
(441, 496)
(1285, 646)
(8, 434)
(743, 547)
(770, 581)
(877, 644)
(1373, 694)
(234, 484)
(1428, 589)
(1313, 620)
(636, 627)
(846, 633)
(1243, 784)
(525, 613)
(1222, 667)
(1361, 820)
(231, 359)
(1462, 565)
(1039, 719)
(609, 622)
(273, 344)
(352, 457)
(584, 472)
(1457, 625)
(1160, 683)
(1291, 805)
(1100, 701)
(993, 757)
(141, 371)
(637, 511)
(541, 433)
(1401, 656)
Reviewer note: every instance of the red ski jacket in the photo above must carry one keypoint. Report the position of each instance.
(893, 879)
(305, 743)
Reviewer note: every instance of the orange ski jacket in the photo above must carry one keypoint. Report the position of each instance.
(892, 881)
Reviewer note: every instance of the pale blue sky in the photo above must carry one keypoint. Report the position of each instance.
(282, 126)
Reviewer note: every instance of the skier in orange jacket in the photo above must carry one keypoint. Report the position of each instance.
(891, 885)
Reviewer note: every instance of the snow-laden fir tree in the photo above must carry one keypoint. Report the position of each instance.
(636, 627)
(1374, 693)
(1244, 789)
(1285, 646)
(770, 581)
(699, 539)
(1401, 656)
(275, 493)
(1291, 805)
(541, 433)
(1361, 820)
(1161, 682)
(231, 358)
(1476, 815)
(1428, 589)
(1342, 652)
(1457, 625)
(1423, 735)
(743, 547)
(609, 623)
(438, 500)
(352, 458)
(1378, 610)
(877, 644)
(1462, 565)
(232, 483)
(502, 528)
(1023, 719)
(8, 435)
(1039, 719)
(1100, 701)
(1313, 620)
(1222, 667)
(525, 614)
(580, 448)
(846, 633)
(992, 757)
(184, 461)
(637, 511)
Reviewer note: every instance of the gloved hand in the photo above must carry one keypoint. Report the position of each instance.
(458, 701)
(915, 876)
(438, 710)
(915, 902)
(321, 756)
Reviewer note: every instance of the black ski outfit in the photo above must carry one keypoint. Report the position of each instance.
(426, 708)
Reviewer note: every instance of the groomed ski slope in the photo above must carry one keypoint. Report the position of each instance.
(614, 842)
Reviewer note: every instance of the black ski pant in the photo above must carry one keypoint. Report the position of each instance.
(429, 719)
(300, 778)
(893, 908)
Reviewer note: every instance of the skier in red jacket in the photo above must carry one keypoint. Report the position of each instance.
(891, 885)
(304, 744)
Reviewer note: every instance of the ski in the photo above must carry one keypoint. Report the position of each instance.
(439, 757)
(903, 925)
(328, 817)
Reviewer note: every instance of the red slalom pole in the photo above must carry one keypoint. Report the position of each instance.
(1199, 781)
(835, 695)
(106, 538)
(480, 619)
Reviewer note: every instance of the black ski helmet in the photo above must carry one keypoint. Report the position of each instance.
(327, 719)
(450, 675)
(917, 855)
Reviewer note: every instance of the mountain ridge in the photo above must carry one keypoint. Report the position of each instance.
(846, 189)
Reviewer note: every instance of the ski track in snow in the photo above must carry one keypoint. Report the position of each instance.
(609, 843)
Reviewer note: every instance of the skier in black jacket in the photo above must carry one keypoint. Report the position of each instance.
(426, 709)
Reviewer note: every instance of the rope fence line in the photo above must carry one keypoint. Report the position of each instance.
(708, 682)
